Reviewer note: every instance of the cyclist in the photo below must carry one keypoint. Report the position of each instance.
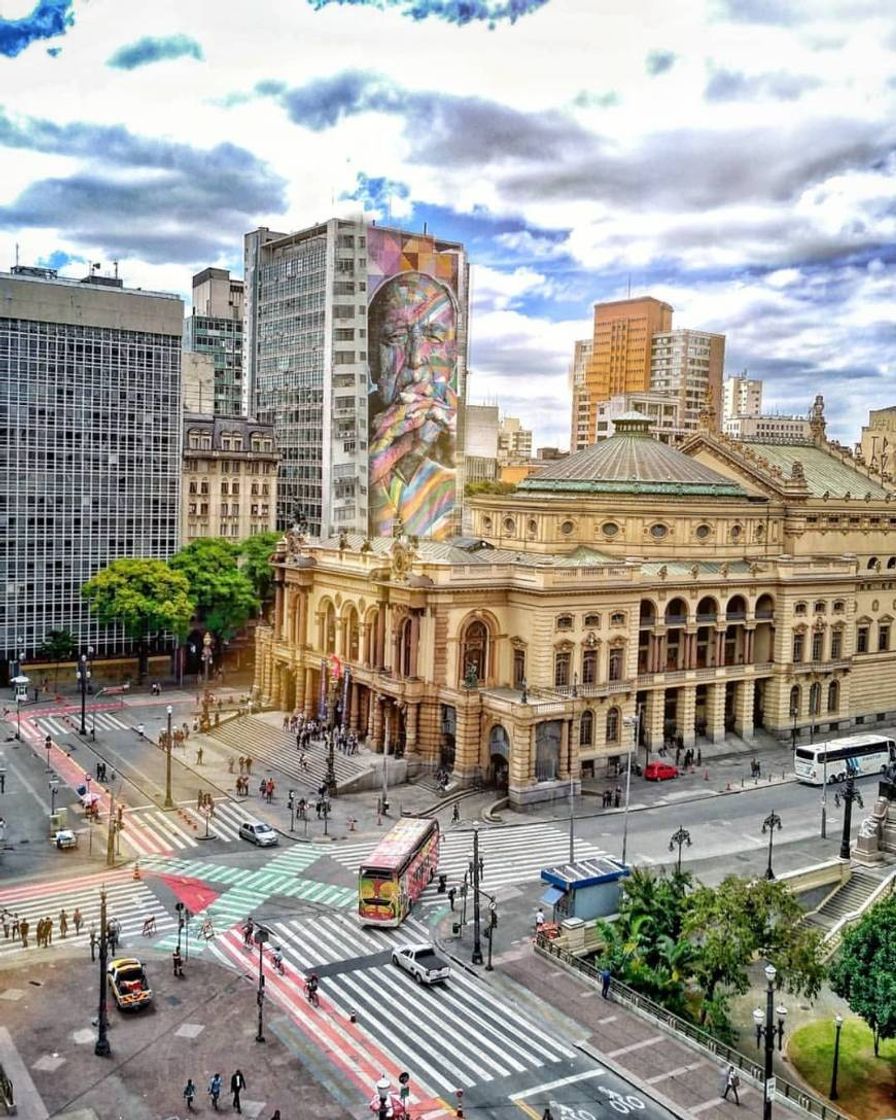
(311, 986)
(278, 959)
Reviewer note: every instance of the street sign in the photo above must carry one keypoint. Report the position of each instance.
(770, 1087)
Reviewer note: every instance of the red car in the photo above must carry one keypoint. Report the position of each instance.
(660, 771)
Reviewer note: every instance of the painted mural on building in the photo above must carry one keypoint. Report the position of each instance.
(414, 331)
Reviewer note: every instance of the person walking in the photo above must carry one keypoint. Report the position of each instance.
(15, 926)
(237, 1084)
(63, 922)
(539, 920)
(189, 1094)
(177, 962)
(78, 920)
(605, 977)
(93, 941)
(23, 930)
(732, 1084)
(199, 755)
(214, 1090)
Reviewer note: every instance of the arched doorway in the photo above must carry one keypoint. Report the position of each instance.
(499, 756)
(547, 750)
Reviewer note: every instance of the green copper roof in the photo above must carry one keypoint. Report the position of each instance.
(824, 472)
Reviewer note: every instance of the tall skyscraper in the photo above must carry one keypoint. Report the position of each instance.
(688, 364)
(90, 426)
(356, 352)
(582, 427)
(215, 327)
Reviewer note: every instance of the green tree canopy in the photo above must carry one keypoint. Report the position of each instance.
(255, 553)
(864, 972)
(145, 596)
(489, 486)
(223, 594)
(58, 645)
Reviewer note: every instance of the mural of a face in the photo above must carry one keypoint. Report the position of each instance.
(413, 325)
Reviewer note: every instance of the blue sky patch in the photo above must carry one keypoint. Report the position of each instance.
(460, 12)
(152, 48)
(47, 19)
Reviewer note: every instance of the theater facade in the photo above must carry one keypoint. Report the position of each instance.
(629, 594)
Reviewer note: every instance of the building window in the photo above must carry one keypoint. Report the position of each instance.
(617, 619)
(564, 622)
(234, 488)
(862, 639)
(836, 645)
(474, 651)
(883, 638)
(658, 532)
(615, 664)
(795, 702)
(800, 608)
(613, 723)
(592, 620)
(519, 667)
(702, 532)
(566, 528)
(818, 645)
(799, 647)
(561, 668)
(820, 606)
(609, 529)
(589, 666)
(509, 525)
(833, 696)
(586, 729)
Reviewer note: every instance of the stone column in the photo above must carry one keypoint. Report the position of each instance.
(376, 737)
(277, 690)
(300, 686)
(309, 702)
(749, 642)
(379, 645)
(743, 708)
(467, 747)
(366, 658)
(687, 714)
(715, 712)
(720, 648)
(653, 718)
(411, 723)
(354, 704)
(415, 642)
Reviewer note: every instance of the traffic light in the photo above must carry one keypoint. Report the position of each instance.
(120, 812)
(404, 1092)
(291, 801)
(48, 742)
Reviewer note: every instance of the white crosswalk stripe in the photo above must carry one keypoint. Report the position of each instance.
(176, 831)
(510, 855)
(63, 725)
(452, 1035)
(129, 901)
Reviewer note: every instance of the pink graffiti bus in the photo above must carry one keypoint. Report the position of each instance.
(397, 871)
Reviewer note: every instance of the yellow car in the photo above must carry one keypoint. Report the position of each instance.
(127, 980)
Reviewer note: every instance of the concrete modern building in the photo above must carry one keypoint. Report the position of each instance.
(215, 327)
(741, 396)
(229, 477)
(661, 408)
(90, 421)
(353, 332)
(514, 441)
(481, 423)
(688, 364)
(582, 427)
(623, 596)
(770, 427)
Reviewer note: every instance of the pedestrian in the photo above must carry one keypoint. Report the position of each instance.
(452, 894)
(93, 940)
(23, 930)
(732, 1084)
(141, 730)
(539, 920)
(15, 926)
(237, 1084)
(242, 763)
(77, 920)
(455, 816)
(617, 797)
(6, 925)
(547, 1114)
(605, 977)
(199, 755)
(276, 1115)
(63, 922)
(177, 962)
(214, 1090)
(48, 931)
(247, 933)
(700, 759)
(189, 1094)
(248, 765)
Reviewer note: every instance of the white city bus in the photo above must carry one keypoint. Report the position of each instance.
(839, 759)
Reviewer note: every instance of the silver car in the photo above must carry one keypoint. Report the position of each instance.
(258, 833)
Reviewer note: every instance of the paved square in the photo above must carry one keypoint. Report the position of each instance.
(190, 1030)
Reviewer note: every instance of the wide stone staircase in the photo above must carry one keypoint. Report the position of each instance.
(271, 746)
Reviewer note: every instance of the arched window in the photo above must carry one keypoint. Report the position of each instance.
(613, 724)
(872, 563)
(795, 701)
(834, 696)
(586, 728)
(330, 629)
(814, 699)
(352, 635)
(405, 643)
(474, 651)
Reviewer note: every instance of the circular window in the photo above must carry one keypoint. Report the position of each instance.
(533, 526)
(567, 527)
(509, 525)
(702, 531)
(486, 523)
(735, 532)
(658, 532)
(610, 529)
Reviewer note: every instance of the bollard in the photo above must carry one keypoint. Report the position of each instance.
(706, 775)
(137, 874)
(351, 822)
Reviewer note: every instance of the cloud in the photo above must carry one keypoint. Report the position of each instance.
(159, 199)
(152, 49)
(658, 62)
(460, 12)
(377, 193)
(587, 99)
(732, 85)
(47, 19)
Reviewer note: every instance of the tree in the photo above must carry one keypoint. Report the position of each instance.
(864, 973)
(58, 645)
(488, 486)
(145, 596)
(255, 562)
(223, 594)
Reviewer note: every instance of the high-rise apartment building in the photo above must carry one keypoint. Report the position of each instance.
(582, 427)
(741, 396)
(356, 348)
(481, 442)
(621, 348)
(90, 426)
(514, 441)
(688, 364)
(215, 327)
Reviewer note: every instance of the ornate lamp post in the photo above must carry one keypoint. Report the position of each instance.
(475, 870)
(261, 936)
(632, 722)
(770, 1033)
(334, 672)
(847, 796)
(682, 836)
(83, 675)
(771, 822)
(169, 804)
(207, 654)
(838, 1027)
(102, 1048)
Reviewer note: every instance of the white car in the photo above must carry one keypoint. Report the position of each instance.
(257, 832)
(422, 962)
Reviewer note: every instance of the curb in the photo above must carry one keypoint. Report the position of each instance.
(649, 1091)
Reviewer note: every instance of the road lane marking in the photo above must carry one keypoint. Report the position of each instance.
(635, 1046)
(558, 1084)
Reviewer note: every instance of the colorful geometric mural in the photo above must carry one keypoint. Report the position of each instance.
(413, 335)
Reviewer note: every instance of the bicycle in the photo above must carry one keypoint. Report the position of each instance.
(207, 929)
(149, 927)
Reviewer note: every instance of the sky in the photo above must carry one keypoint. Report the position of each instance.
(734, 158)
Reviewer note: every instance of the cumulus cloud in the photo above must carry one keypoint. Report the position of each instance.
(162, 200)
(732, 85)
(658, 62)
(46, 20)
(460, 12)
(152, 49)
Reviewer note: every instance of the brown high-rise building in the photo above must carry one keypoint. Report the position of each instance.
(623, 334)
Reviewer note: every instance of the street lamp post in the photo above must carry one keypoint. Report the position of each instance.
(83, 675)
(771, 822)
(169, 804)
(492, 923)
(838, 1027)
(53, 785)
(207, 654)
(770, 1033)
(48, 746)
(179, 907)
(849, 794)
(102, 1048)
(387, 727)
(19, 717)
(261, 936)
(476, 957)
(333, 670)
(682, 836)
(632, 722)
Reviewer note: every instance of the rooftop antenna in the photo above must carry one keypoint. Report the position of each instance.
(115, 263)
(17, 254)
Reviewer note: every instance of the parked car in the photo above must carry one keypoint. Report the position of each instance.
(422, 962)
(127, 980)
(660, 771)
(65, 838)
(257, 832)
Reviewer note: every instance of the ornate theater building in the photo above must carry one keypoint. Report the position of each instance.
(631, 593)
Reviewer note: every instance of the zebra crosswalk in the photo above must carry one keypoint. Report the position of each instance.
(130, 902)
(59, 725)
(510, 855)
(453, 1035)
(188, 828)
